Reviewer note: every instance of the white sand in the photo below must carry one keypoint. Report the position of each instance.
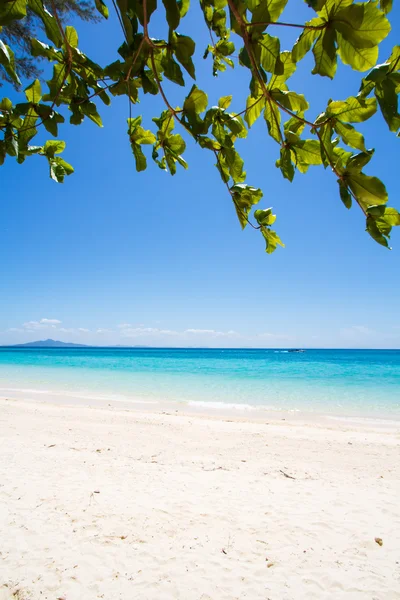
(105, 503)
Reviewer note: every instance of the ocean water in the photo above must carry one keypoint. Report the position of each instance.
(331, 382)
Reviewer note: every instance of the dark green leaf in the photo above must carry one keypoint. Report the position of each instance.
(184, 48)
(49, 22)
(173, 13)
(11, 11)
(172, 70)
(345, 195)
(140, 159)
(386, 6)
(102, 8)
(7, 59)
(244, 197)
(387, 96)
(306, 39)
(375, 233)
(285, 164)
(273, 119)
(325, 54)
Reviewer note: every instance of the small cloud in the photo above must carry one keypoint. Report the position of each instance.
(356, 331)
(275, 336)
(50, 321)
(33, 325)
(103, 330)
(212, 332)
(140, 331)
(66, 330)
(83, 330)
(15, 329)
(124, 325)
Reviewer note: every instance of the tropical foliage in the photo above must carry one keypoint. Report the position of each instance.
(241, 34)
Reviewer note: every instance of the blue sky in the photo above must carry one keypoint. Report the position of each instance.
(116, 257)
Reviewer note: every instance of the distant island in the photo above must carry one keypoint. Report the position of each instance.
(49, 344)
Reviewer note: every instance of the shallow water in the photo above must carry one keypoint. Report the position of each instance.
(333, 382)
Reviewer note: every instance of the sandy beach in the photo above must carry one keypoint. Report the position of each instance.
(115, 504)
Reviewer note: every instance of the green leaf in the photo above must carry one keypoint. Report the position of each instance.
(267, 11)
(291, 100)
(235, 124)
(3, 152)
(391, 216)
(264, 216)
(368, 190)
(89, 109)
(173, 13)
(71, 36)
(350, 136)
(33, 92)
(285, 164)
(306, 153)
(376, 210)
(345, 195)
(254, 108)
(387, 96)
(224, 102)
(271, 239)
(289, 67)
(7, 59)
(59, 168)
(360, 59)
(50, 118)
(183, 7)
(12, 11)
(362, 25)
(102, 8)
(140, 159)
(235, 164)
(272, 116)
(306, 39)
(53, 147)
(176, 143)
(244, 197)
(196, 101)
(49, 22)
(28, 129)
(352, 110)
(358, 161)
(184, 48)
(375, 233)
(270, 54)
(386, 6)
(325, 54)
(172, 70)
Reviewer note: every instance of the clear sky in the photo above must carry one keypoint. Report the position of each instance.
(116, 257)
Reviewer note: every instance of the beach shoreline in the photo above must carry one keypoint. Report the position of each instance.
(206, 409)
(100, 502)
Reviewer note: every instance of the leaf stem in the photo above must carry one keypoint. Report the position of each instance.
(280, 23)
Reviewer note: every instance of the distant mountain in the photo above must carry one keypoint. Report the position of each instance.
(49, 344)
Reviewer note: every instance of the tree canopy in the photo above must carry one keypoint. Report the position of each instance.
(242, 34)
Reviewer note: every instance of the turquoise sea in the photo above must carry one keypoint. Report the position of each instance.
(332, 382)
